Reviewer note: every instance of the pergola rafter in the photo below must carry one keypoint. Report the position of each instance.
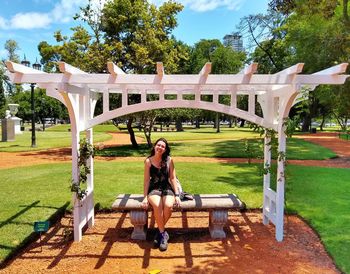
(276, 94)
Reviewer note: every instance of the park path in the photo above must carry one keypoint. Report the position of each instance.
(326, 139)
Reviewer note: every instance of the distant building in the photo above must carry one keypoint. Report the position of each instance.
(234, 40)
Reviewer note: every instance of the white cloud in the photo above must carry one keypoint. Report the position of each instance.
(206, 5)
(62, 12)
(30, 20)
(66, 9)
(3, 23)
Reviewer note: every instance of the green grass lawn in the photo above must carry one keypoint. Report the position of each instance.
(319, 195)
(203, 133)
(296, 149)
(45, 140)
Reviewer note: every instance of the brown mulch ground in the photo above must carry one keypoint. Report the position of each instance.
(250, 246)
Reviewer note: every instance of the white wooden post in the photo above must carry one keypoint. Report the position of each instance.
(75, 177)
(280, 181)
(90, 214)
(73, 110)
(267, 164)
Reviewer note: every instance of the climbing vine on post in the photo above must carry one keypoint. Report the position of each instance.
(86, 150)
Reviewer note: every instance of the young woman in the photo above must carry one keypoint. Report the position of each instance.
(160, 190)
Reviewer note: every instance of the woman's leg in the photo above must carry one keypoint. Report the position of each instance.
(168, 203)
(157, 205)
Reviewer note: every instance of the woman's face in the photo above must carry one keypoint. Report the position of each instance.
(160, 147)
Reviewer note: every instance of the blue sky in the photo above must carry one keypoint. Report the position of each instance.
(31, 21)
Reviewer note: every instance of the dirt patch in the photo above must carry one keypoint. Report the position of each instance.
(250, 247)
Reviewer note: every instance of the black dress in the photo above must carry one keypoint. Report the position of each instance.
(159, 181)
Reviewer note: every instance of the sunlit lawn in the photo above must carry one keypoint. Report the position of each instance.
(235, 148)
(319, 195)
(53, 137)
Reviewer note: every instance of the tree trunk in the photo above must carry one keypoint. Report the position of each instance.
(197, 123)
(147, 130)
(132, 133)
(43, 122)
(241, 123)
(306, 123)
(178, 125)
(322, 122)
(217, 122)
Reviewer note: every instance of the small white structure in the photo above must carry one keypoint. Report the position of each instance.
(276, 94)
(16, 121)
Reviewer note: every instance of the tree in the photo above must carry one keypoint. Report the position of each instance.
(266, 35)
(313, 32)
(45, 107)
(225, 60)
(12, 46)
(319, 37)
(143, 35)
(2, 90)
(131, 33)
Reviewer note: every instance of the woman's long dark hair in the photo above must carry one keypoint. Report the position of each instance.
(166, 153)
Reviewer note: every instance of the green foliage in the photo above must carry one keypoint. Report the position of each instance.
(45, 106)
(2, 91)
(11, 46)
(86, 150)
(143, 32)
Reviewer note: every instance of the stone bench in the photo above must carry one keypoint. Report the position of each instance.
(216, 204)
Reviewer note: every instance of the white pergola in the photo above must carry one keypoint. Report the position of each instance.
(276, 94)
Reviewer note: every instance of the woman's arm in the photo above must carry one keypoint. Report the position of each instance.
(173, 182)
(146, 176)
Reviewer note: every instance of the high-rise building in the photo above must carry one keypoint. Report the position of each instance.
(234, 40)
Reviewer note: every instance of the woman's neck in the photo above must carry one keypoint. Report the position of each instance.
(157, 157)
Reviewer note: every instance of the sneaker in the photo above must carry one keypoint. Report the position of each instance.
(164, 238)
(157, 238)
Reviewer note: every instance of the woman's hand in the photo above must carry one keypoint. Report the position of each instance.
(144, 203)
(177, 202)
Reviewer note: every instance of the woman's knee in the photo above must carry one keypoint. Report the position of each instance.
(168, 202)
(155, 201)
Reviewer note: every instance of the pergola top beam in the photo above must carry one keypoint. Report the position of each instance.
(114, 69)
(205, 70)
(22, 74)
(160, 69)
(338, 69)
(69, 69)
(18, 68)
(297, 68)
(251, 69)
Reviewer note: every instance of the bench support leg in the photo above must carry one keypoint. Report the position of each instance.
(139, 219)
(217, 220)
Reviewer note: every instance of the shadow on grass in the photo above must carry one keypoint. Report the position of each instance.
(248, 177)
(124, 151)
(237, 148)
(32, 236)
